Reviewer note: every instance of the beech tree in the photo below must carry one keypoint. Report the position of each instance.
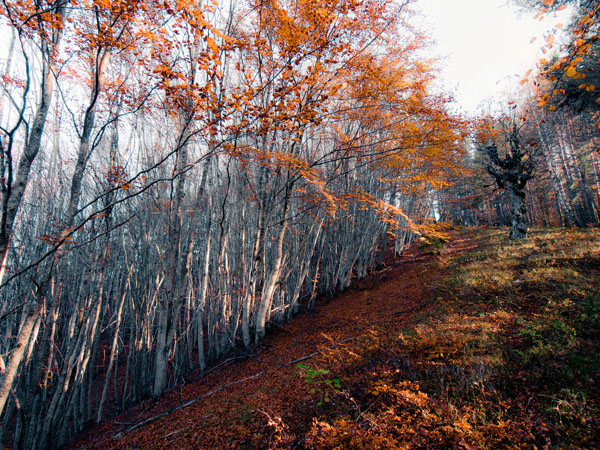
(40, 27)
(203, 171)
(511, 172)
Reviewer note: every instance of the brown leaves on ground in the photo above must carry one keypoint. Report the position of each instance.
(477, 343)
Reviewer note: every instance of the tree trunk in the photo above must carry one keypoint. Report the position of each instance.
(18, 352)
(518, 213)
(561, 197)
(113, 348)
(169, 301)
(264, 309)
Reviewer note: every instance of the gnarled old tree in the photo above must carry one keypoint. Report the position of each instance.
(511, 172)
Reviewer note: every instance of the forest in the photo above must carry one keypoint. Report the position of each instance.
(179, 180)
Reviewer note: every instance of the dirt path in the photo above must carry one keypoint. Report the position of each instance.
(215, 411)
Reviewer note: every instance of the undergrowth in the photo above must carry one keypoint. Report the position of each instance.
(508, 358)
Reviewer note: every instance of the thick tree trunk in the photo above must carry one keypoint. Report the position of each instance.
(518, 213)
(512, 172)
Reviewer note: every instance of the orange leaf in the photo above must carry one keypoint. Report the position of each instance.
(570, 71)
(212, 45)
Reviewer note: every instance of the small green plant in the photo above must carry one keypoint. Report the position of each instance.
(570, 405)
(589, 312)
(246, 414)
(320, 385)
(548, 335)
(433, 245)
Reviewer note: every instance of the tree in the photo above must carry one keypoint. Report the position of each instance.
(573, 75)
(510, 171)
(220, 168)
(41, 24)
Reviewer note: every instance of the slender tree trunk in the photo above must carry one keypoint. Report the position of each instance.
(113, 348)
(17, 354)
(563, 201)
(264, 308)
(168, 303)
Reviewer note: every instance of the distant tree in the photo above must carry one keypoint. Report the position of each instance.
(511, 166)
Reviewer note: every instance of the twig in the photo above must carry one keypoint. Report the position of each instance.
(303, 358)
(184, 405)
(409, 310)
(221, 365)
(171, 434)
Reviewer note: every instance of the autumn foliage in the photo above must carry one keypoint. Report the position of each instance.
(177, 176)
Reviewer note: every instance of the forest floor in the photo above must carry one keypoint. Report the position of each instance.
(471, 341)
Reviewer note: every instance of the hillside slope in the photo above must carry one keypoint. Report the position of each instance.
(475, 343)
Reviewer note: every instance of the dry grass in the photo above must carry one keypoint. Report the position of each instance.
(507, 359)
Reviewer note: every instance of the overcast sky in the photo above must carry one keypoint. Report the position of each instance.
(487, 44)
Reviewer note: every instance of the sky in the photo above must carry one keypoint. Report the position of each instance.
(486, 44)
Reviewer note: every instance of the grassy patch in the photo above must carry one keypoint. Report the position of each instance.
(433, 244)
(507, 359)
